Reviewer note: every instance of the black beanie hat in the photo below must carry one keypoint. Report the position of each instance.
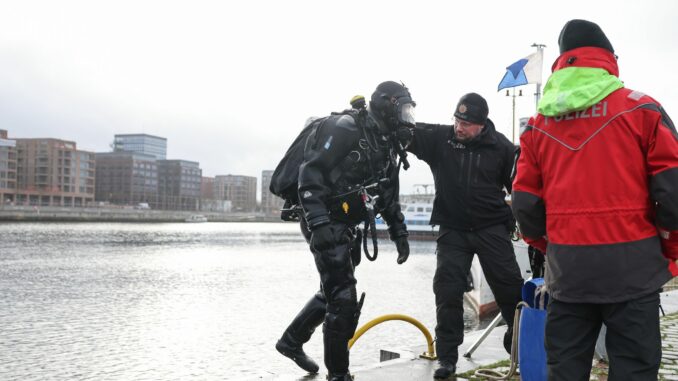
(580, 33)
(472, 108)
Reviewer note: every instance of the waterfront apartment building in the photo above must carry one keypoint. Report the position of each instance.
(270, 203)
(126, 178)
(179, 185)
(141, 143)
(207, 188)
(240, 190)
(53, 172)
(8, 162)
(208, 201)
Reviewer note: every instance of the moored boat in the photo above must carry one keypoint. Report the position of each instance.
(196, 218)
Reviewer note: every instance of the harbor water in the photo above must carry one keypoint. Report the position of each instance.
(177, 301)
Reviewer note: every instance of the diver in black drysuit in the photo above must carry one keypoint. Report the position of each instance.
(346, 153)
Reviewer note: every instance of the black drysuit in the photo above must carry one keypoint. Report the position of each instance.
(340, 157)
(474, 218)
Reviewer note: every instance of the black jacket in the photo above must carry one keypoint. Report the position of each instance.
(469, 178)
(339, 158)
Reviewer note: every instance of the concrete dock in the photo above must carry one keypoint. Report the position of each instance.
(409, 367)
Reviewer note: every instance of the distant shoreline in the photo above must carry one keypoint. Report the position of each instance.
(75, 214)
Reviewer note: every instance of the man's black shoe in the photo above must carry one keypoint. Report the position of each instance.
(342, 377)
(445, 371)
(298, 356)
(508, 339)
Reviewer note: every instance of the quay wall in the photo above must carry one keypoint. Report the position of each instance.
(75, 214)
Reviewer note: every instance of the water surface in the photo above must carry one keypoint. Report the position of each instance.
(126, 301)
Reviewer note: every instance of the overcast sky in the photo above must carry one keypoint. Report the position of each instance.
(230, 84)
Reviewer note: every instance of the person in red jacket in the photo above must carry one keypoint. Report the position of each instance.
(597, 190)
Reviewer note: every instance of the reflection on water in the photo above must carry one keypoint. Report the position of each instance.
(181, 301)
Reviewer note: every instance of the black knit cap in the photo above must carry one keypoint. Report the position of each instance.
(580, 33)
(472, 108)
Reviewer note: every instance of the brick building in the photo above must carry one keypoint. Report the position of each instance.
(270, 203)
(127, 178)
(240, 190)
(8, 162)
(53, 172)
(179, 184)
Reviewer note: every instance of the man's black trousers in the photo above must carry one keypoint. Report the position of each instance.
(633, 339)
(454, 253)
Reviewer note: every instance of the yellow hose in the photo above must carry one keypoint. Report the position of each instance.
(431, 354)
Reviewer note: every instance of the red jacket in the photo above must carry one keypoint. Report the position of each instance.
(597, 190)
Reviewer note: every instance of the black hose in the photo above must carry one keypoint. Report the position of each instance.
(370, 224)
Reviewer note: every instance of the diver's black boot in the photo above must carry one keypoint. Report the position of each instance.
(336, 354)
(288, 348)
(300, 331)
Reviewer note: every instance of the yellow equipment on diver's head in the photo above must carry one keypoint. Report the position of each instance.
(358, 102)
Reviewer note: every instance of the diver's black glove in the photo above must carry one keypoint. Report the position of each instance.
(405, 135)
(322, 238)
(403, 248)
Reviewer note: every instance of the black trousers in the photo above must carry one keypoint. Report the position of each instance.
(633, 339)
(455, 251)
(335, 304)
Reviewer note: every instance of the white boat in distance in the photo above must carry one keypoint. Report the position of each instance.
(417, 218)
(196, 218)
(417, 209)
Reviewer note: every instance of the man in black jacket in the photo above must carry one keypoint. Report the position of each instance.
(350, 166)
(471, 164)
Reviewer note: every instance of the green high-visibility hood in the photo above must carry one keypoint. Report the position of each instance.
(576, 88)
